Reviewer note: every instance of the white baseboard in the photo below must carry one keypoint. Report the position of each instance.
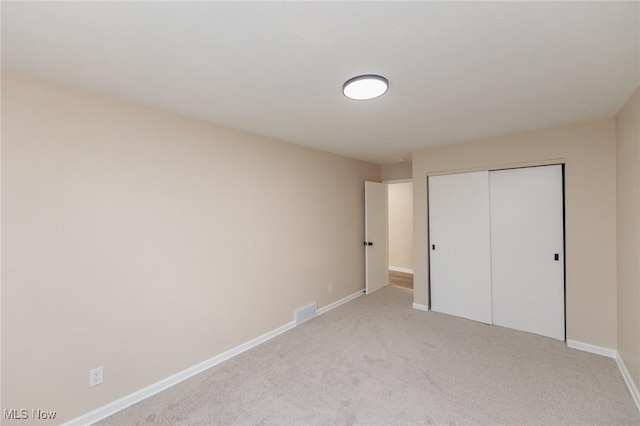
(420, 307)
(586, 347)
(629, 381)
(124, 402)
(340, 302)
(611, 353)
(399, 269)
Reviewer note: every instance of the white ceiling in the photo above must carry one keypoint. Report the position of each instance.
(457, 71)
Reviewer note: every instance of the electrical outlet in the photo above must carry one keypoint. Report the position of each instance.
(330, 287)
(95, 376)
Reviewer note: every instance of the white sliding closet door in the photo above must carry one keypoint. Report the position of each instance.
(527, 249)
(460, 258)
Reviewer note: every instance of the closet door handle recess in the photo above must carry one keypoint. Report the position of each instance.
(556, 257)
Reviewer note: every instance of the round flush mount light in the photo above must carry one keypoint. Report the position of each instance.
(365, 87)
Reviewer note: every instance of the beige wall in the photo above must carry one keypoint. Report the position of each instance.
(397, 171)
(145, 242)
(401, 225)
(589, 152)
(628, 222)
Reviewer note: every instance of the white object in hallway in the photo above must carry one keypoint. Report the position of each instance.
(527, 249)
(376, 243)
(460, 253)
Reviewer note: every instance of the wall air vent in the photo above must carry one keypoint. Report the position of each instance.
(305, 313)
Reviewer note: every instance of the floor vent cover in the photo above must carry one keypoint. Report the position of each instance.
(305, 313)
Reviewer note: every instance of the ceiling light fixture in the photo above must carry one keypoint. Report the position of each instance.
(365, 87)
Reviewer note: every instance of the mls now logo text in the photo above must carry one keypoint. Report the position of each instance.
(24, 414)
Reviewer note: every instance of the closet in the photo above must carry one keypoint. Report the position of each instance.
(496, 241)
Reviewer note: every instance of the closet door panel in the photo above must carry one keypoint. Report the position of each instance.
(459, 246)
(527, 249)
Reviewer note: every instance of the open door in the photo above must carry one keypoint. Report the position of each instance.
(376, 244)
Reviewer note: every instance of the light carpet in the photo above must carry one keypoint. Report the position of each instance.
(377, 361)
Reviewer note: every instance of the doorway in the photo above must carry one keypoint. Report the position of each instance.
(400, 238)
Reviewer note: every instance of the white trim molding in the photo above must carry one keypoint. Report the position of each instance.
(124, 402)
(135, 397)
(420, 307)
(610, 353)
(399, 269)
(586, 347)
(340, 302)
(127, 401)
(628, 380)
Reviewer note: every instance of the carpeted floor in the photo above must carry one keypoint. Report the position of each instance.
(377, 361)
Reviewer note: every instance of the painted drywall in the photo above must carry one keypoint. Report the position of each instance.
(589, 153)
(397, 171)
(145, 242)
(401, 225)
(628, 224)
